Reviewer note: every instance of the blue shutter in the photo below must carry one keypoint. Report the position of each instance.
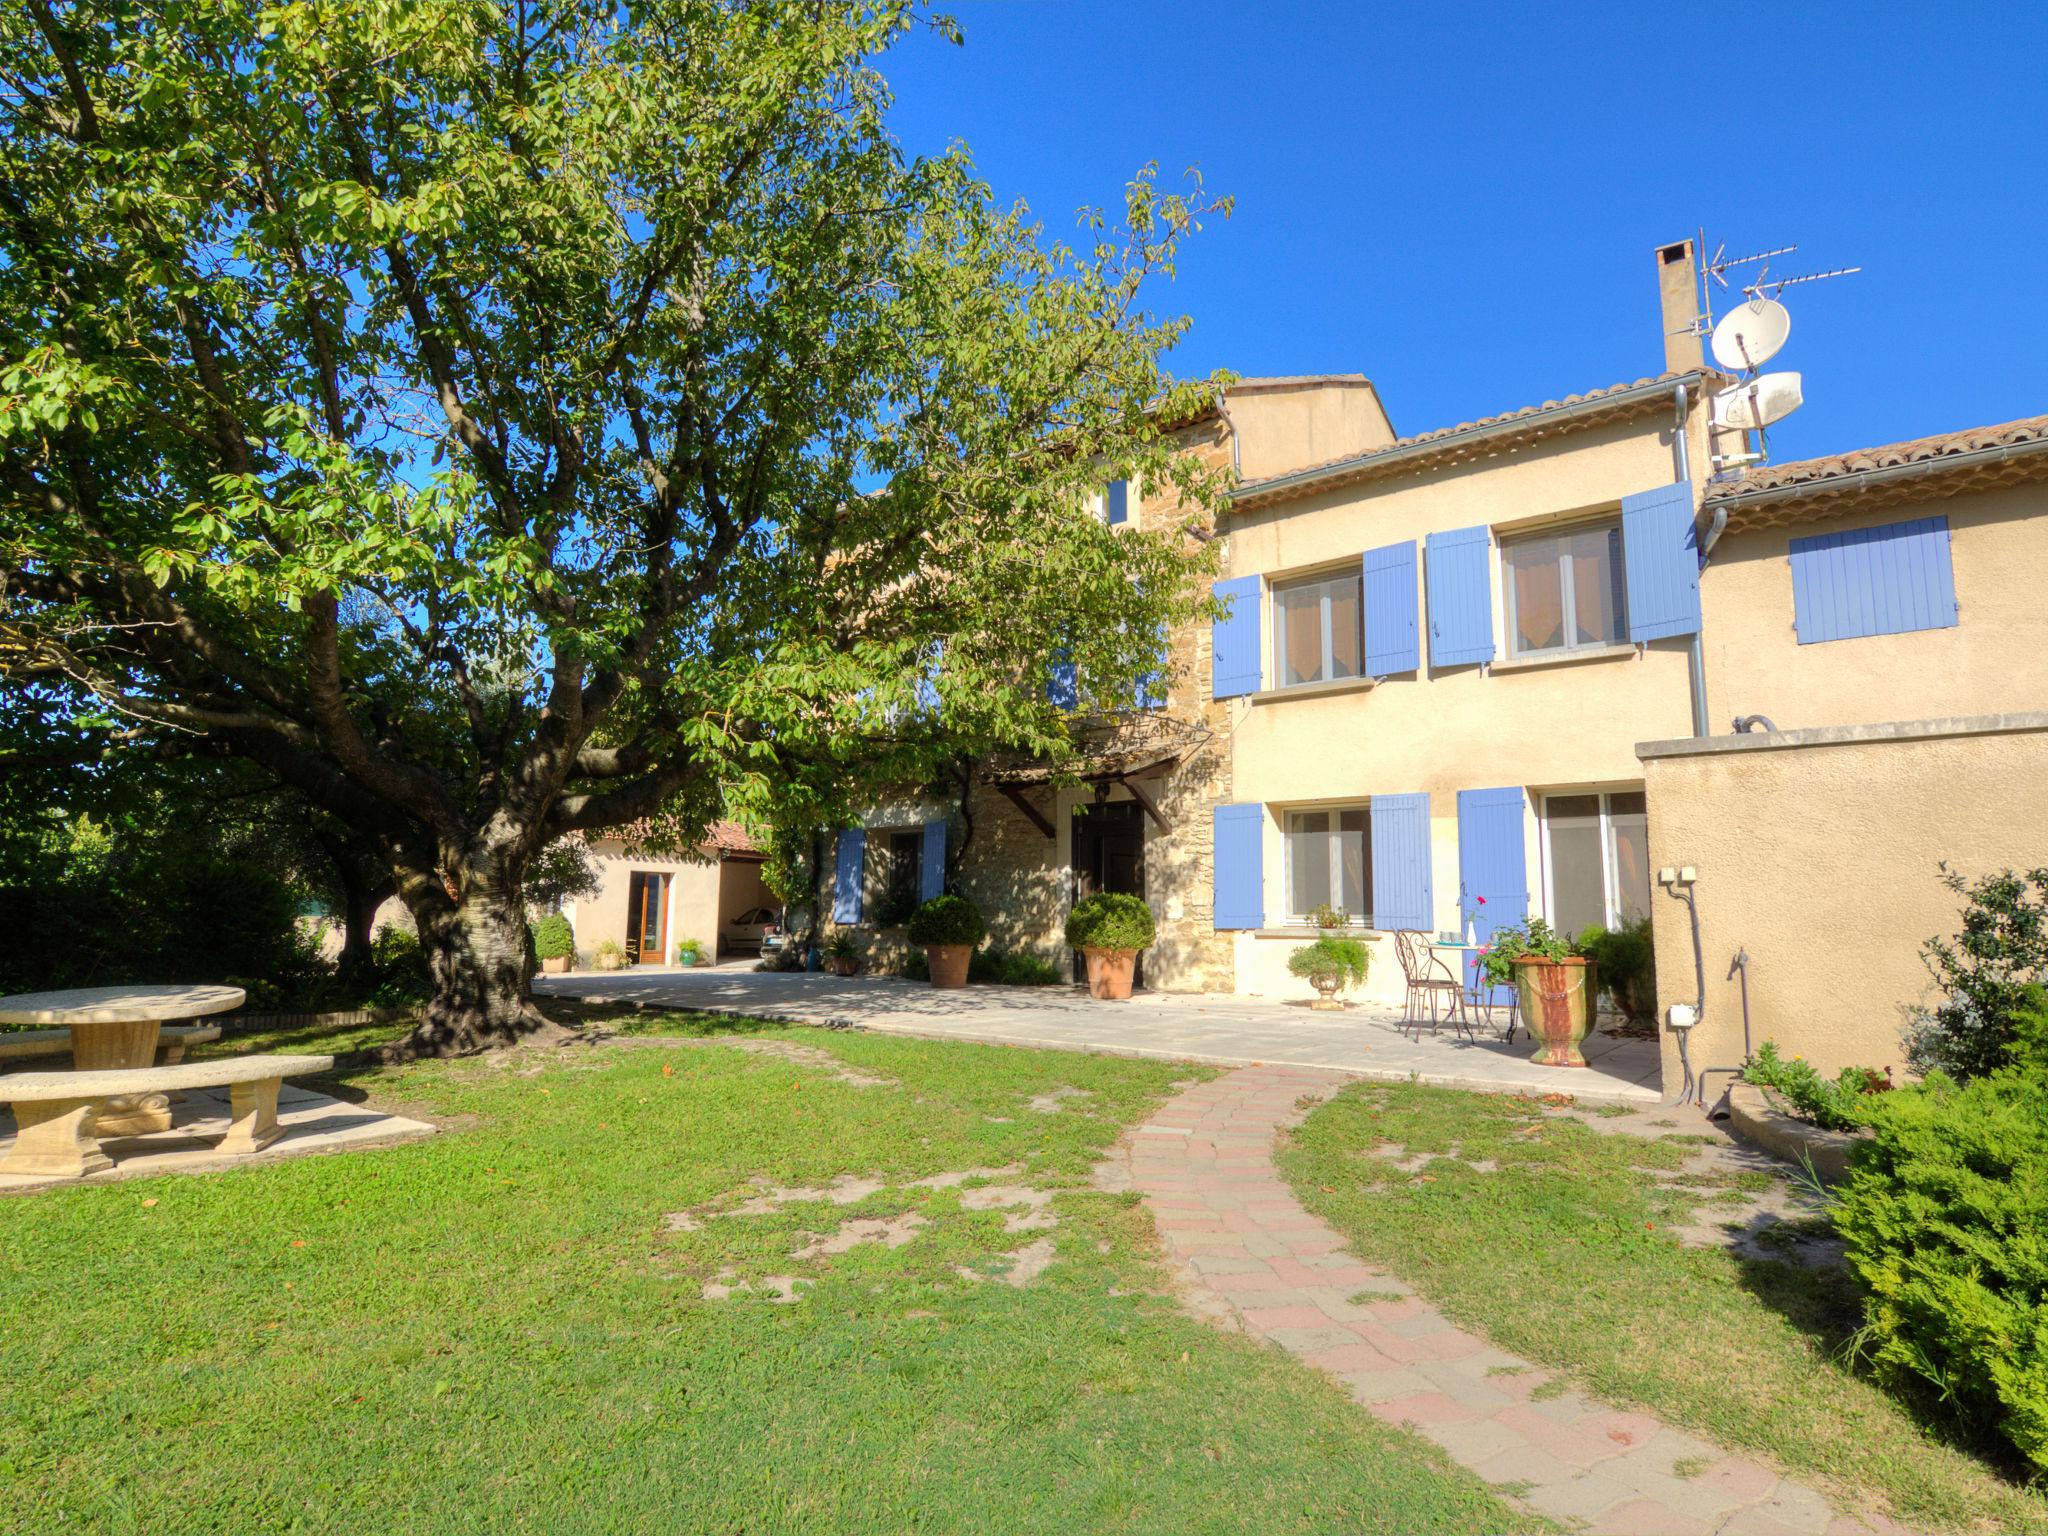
(1660, 551)
(1234, 638)
(1873, 581)
(1151, 690)
(1062, 683)
(1460, 580)
(932, 874)
(1117, 498)
(1491, 864)
(1240, 866)
(853, 849)
(1390, 611)
(1401, 892)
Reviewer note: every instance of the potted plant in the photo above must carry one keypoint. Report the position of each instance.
(609, 955)
(1109, 928)
(1327, 917)
(554, 943)
(1331, 964)
(842, 955)
(690, 952)
(948, 927)
(1555, 984)
(1626, 960)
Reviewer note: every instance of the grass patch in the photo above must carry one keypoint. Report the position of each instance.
(504, 1327)
(1563, 1255)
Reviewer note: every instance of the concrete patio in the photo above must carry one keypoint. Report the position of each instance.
(1364, 1040)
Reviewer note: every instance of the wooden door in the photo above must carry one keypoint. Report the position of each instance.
(647, 918)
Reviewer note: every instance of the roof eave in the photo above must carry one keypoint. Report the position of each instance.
(1587, 412)
(1768, 505)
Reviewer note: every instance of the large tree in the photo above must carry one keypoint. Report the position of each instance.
(506, 422)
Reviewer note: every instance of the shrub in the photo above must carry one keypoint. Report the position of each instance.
(1535, 937)
(947, 920)
(1944, 1215)
(1841, 1105)
(1346, 959)
(1110, 920)
(553, 938)
(1022, 969)
(1625, 961)
(1986, 974)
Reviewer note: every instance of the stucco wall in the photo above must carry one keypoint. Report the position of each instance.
(1550, 727)
(1822, 861)
(693, 900)
(1282, 428)
(1995, 658)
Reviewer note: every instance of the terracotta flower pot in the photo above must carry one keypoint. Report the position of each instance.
(948, 963)
(840, 965)
(1557, 1006)
(1110, 972)
(555, 965)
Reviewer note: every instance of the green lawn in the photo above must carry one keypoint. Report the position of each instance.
(1560, 1253)
(499, 1328)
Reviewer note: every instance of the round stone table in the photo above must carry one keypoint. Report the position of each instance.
(117, 1027)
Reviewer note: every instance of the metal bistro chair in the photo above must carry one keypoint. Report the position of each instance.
(1480, 995)
(1428, 980)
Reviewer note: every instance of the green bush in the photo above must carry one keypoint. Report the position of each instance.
(1945, 1215)
(1986, 974)
(1110, 920)
(553, 938)
(1625, 960)
(1840, 1105)
(1535, 937)
(1346, 959)
(947, 920)
(1019, 970)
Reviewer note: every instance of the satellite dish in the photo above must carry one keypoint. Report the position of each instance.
(1750, 334)
(1764, 399)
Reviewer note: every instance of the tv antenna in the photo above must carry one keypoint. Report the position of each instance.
(1753, 331)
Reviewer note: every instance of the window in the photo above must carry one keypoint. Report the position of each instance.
(1566, 591)
(1596, 855)
(902, 856)
(1318, 630)
(1116, 502)
(1329, 862)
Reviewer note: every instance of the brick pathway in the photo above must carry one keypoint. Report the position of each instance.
(1250, 1257)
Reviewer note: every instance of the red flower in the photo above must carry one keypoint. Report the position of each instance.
(1480, 899)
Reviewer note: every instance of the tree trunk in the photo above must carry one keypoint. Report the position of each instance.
(477, 953)
(359, 904)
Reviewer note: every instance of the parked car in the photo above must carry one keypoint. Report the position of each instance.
(754, 929)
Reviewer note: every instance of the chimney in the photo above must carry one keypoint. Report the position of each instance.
(1680, 306)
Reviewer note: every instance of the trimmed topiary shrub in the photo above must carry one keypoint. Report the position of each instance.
(947, 920)
(1110, 920)
(553, 938)
(1945, 1215)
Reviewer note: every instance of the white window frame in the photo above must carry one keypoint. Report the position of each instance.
(1276, 590)
(1610, 891)
(1567, 588)
(1335, 835)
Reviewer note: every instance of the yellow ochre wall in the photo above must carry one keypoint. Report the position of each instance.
(1552, 725)
(1819, 853)
(1283, 427)
(1996, 658)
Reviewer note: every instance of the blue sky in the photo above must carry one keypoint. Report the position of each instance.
(1462, 203)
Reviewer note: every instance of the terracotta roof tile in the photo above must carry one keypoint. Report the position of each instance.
(1921, 450)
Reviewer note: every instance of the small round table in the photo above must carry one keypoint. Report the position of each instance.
(114, 1027)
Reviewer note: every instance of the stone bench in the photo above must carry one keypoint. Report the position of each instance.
(171, 1040)
(54, 1110)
